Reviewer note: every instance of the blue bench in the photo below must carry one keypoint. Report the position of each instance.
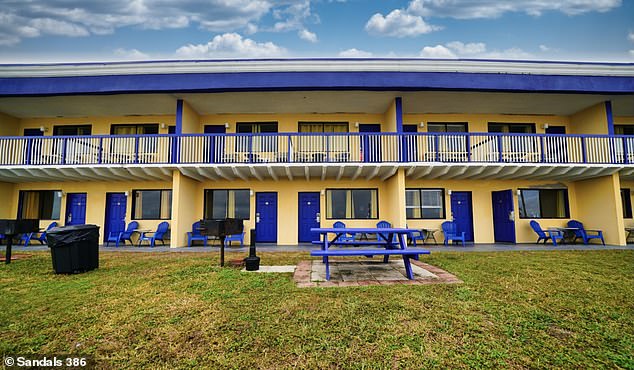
(406, 253)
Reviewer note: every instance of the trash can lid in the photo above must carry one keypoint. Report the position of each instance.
(71, 228)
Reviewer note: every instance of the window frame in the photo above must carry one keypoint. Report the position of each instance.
(207, 192)
(626, 202)
(87, 126)
(323, 126)
(531, 125)
(353, 218)
(443, 206)
(445, 124)
(624, 127)
(137, 125)
(56, 193)
(541, 213)
(135, 191)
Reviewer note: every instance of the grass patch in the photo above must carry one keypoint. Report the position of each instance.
(179, 310)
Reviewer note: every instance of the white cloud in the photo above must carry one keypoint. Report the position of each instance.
(305, 34)
(130, 54)
(467, 49)
(355, 53)
(230, 45)
(55, 27)
(632, 53)
(512, 53)
(437, 51)
(398, 23)
(544, 48)
(630, 36)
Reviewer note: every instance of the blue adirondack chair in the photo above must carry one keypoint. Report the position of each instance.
(413, 236)
(383, 236)
(585, 234)
(234, 238)
(26, 238)
(553, 235)
(152, 236)
(450, 230)
(343, 237)
(117, 237)
(195, 235)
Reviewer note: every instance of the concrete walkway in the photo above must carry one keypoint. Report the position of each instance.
(308, 247)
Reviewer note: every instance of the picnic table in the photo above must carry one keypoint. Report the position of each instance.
(393, 240)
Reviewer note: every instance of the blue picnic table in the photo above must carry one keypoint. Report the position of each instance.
(392, 240)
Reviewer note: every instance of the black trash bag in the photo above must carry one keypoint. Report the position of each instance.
(74, 248)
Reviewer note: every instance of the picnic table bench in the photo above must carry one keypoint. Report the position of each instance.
(392, 239)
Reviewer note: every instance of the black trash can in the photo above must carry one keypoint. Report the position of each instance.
(74, 249)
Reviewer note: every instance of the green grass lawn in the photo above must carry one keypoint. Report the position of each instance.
(179, 310)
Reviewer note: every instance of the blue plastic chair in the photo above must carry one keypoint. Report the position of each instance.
(343, 237)
(553, 235)
(413, 236)
(234, 238)
(153, 236)
(583, 233)
(117, 237)
(195, 235)
(26, 238)
(450, 230)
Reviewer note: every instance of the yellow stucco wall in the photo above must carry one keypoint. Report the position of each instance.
(186, 207)
(9, 125)
(95, 199)
(592, 120)
(191, 120)
(479, 122)
(599, 205)
(100, 125)
(6, 199)
(624, 120)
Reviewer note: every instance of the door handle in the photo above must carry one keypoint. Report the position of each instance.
(317, 218)
(257, 218)
(70, 217)
(512, 216)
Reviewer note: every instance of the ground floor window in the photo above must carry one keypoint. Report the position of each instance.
(40, 204)
(425, 203)
(626, 202)
(543, 203)
(152, 204)
(352, 204)
(221, 204)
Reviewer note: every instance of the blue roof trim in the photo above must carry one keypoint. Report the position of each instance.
(294, 81)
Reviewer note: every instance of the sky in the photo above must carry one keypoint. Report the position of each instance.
(40, 31)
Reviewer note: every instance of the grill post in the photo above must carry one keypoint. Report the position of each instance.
(252, 262)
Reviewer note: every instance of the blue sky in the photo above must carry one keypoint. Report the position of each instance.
(80, 30)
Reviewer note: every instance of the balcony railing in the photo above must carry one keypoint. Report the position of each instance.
(316, 148)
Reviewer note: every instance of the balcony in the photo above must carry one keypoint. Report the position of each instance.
(298, 155)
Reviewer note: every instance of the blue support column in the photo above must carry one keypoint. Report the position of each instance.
(610, 118)
(178, 131)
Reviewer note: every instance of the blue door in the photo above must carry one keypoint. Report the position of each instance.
(75, 209)
(308, 216)
(409, 147)
(462, 213)
(371, 145)
(115, 213)
(216, 145)
(503, 216)
(266, 217)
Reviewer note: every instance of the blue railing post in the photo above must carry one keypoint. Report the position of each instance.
(499, 148)
(626, 158)
(250, 148)
(584, 154)
(100, 151)
(29, 146)
(290, 149)
(468, 139)
(328, 148)
(136, 149)
(65, 140)
(437, 147)
(541, 149)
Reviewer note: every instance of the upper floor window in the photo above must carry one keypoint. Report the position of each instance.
(40, 204)
(425, 203)
(319, 127)
(543, 203)
(221, 204)
(135, 129)
(72, 130)
(624, 129)
(512, 128)
(447, 127)
(626, 202)
(152, 204)
(352, 204)
(256, 127)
